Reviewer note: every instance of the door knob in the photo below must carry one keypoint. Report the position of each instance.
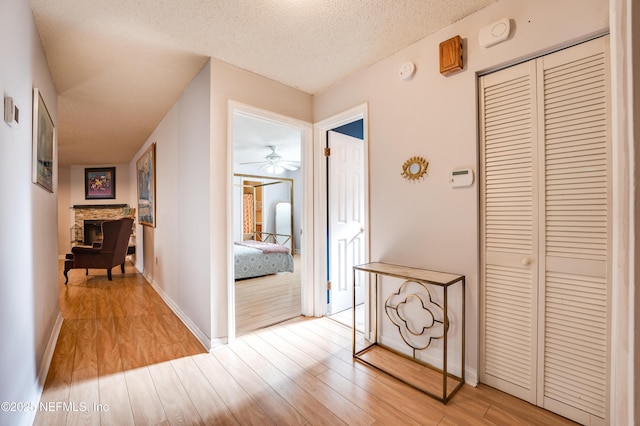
(526, 261)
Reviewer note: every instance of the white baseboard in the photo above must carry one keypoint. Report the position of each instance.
(206, 342)
(28, 417)
(218, 344)
(471, 377)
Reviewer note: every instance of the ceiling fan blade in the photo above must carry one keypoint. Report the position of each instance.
(254, 162)
(290, 162)
(287, 165)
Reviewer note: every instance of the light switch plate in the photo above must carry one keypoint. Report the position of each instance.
(11, 112)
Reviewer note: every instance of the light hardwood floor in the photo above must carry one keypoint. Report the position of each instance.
(124, 358)
(268, 300)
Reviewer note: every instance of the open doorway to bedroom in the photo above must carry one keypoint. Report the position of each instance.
(268, 214)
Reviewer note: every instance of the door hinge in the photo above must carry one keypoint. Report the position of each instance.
(328, 285)
(327, 152)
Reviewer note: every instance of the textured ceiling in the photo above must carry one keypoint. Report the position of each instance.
(119, 65)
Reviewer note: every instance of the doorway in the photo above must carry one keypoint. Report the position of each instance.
(270, 167)
(342, 236)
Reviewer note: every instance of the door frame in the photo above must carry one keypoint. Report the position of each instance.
(320, 130)
(307, 216)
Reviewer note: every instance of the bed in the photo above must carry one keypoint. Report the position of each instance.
(256, 258)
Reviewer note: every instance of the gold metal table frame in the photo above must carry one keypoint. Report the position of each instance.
(424, 277)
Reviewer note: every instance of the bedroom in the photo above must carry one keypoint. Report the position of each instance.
(267, 206)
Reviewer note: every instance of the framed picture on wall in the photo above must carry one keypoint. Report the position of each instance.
(146, 177)
(44, 137)
(99, 183)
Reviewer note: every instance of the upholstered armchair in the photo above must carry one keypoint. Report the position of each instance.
(106, 254)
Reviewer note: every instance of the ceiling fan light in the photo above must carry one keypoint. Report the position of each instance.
(275, 169)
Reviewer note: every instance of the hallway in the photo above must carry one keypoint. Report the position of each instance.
(124, 358)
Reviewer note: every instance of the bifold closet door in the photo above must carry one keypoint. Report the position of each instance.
(510, 229)
(556, 297)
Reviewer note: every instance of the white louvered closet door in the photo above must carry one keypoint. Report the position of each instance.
(557, 297)
(510, 230)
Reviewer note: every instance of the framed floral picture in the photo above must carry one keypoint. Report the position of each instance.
(44, 138)
(146, 177)
(100, 183)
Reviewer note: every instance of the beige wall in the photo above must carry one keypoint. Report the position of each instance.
(436, 117)
(29, 304)
(64, 212)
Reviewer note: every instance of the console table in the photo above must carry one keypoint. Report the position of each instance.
(435, 325)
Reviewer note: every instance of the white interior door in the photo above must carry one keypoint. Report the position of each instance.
(346, 219)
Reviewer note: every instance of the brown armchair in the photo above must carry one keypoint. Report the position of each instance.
(105, 255)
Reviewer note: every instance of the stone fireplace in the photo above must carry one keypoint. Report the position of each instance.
(92, 231)
(88, 220)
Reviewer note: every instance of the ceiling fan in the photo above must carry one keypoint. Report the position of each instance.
(274, 163)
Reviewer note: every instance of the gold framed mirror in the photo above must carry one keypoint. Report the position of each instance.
(414, 168)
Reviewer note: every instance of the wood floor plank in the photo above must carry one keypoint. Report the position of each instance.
(114, 407)
(243, 407)
(338, 351)
(379, 408)
(315, 412)
(345, 410)
(276, 407)
(268, 300)
(310, 362)
(84, 391)
(108, 351)
(145, 403)
(210, 406)
(176, 402)
(517, 408)
(58, 382)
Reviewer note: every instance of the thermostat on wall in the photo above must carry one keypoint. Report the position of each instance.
(461, 177)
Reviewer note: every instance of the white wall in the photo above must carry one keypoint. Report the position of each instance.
(435, 117)
(186, 255)
(28, 218)
(174, 255)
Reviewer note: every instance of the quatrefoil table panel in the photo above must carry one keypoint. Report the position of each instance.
(420, 320)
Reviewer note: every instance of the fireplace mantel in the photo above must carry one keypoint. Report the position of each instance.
(99, 206)
(95, 212)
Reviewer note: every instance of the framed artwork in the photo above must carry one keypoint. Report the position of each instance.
(146, 176)
(100, 183)
(44, 137)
